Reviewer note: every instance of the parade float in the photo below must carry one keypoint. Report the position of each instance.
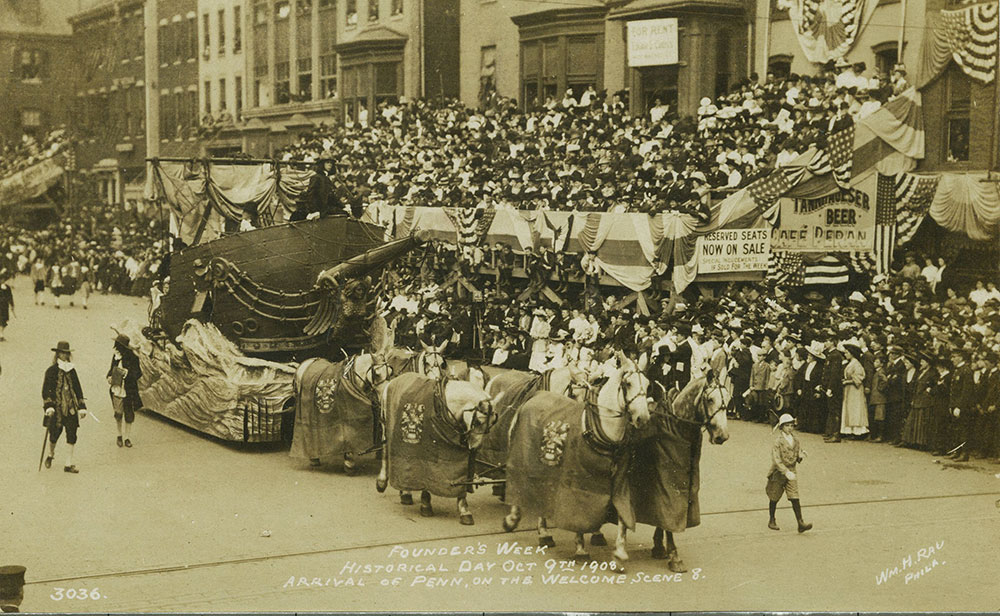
(250, 294)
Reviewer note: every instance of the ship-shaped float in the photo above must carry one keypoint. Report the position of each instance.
(250, 291)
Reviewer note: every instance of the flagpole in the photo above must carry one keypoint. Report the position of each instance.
(902, 30)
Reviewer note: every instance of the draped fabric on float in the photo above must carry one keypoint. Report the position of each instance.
(202, 202)
(967, 35)
(823, 40)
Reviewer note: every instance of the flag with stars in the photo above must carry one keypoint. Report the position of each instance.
(885, 222)
(841, 152)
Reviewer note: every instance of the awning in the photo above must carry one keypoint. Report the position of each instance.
(32, 182)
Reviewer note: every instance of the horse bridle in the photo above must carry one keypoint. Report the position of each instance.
(703, 404)
(622, 395)
(432, 352)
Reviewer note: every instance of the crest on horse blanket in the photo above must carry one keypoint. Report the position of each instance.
(559, 474)
(553, 442)
(429, 453)
(333, 414)
(662, 477)
(412, 422)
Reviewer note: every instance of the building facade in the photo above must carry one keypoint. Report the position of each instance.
(35, 59)
(531, 52)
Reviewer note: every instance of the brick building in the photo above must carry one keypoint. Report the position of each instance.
(36, 59)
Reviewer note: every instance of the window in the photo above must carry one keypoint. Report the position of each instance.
(487, 73)
(206, 43)
(237, 29)
(208, 97)
(134, 112)
(31, 120)
(222, 32)
(166, 115)
(886, 56)
(397, 7)
(282, 94)
(32, 64)
(259, 84)
(327, 4)
(238, 84)
(260, 13)
(722, 62)
(328, 76)
(281, 10)
(305, 79)
(373, 10)
(192, 39)
(181, 121)
(192, 110)
(959, 93)
(222, 95)
(351, 10)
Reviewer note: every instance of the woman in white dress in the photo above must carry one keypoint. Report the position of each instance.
(854, 415)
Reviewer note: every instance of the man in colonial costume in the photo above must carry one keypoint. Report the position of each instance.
(64, 404)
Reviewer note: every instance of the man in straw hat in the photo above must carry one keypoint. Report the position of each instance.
(64, 403)
(123, 377)
(786, 453)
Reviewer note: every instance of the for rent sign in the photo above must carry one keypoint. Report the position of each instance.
(734, 250)
(652, 42)
(843, 221)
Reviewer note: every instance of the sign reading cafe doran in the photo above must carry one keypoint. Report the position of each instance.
(652, 42)
(843, 221)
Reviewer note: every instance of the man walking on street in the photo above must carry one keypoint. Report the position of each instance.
(123, 377)
(63, 402)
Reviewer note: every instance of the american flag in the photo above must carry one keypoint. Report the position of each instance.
(914, 194)
(841, 151)
(786, 267)
(885, 222)
(766, 191)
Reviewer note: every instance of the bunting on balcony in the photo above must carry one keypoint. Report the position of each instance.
(968, 36)
(827, 29)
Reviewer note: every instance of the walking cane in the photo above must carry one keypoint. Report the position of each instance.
(44, 442)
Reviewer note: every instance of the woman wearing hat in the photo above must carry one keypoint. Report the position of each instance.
(782, 479)
(123, 377)
(854, 413)
(64, 404)
(918, 429)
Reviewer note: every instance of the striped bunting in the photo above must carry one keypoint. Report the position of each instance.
(971, 34)
(828, 270)
(786, 267)
(470, 231)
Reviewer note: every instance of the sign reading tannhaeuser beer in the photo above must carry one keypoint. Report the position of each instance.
(652, 42)
(844, 221)
(734, 250)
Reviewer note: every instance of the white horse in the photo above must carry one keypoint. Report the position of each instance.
(406, 409)
(621, 401)
(366, 372)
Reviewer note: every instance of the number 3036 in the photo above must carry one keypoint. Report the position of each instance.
(58, 594)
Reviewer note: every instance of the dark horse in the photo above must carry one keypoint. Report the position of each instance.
(663, 476)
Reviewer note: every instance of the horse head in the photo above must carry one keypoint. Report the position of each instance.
(705, 399)
(372, 369)
(431, 360)
(470, 405)
(625, 392)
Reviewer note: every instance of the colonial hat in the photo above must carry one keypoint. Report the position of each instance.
(123, 340)
(63, 347)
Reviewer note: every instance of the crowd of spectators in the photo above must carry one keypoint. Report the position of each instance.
(588, 153)
(91, 248)
(922, 359)
(18, 155)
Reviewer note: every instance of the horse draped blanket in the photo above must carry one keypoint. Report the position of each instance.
(427, 446)
(333, 414)
(517, 388)
(662, 475)
(555, 471)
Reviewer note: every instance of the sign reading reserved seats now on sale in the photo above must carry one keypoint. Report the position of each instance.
(734, 250)
(841, 222)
